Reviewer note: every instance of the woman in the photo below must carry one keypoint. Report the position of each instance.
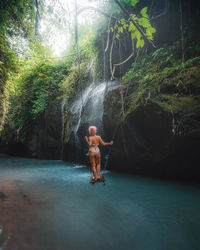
(94, 152)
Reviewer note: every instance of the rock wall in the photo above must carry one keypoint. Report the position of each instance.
(144, 142)
(43, 136)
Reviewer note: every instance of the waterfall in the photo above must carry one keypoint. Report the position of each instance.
(88, 108)
(62, 110)
(91, 73)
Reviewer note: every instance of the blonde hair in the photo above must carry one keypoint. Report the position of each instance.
(92, 128)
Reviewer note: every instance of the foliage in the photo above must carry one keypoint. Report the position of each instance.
(17, 17)
(80, 62)
(39, 83)
(8, 61)
(16, 20)
(122, 26)
(75, 81)
(30, 92)
(160, 77)
(131, 2)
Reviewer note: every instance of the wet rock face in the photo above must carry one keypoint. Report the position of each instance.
(145, 144)
(43, 136)
(44, 139)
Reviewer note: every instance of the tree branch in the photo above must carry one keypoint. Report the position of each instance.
(136, 24)
(108, 36)
(164, 12)
(112, 70)
(121, 63)
(97, 10)
(129, 57)
(120, 5)
(37, 18)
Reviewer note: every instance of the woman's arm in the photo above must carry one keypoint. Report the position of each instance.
(89, 141)
(105, 143)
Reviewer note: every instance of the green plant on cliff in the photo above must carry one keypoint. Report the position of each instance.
(161, 78)
(133, 26)
(128, 26)
(17, 17)
(30, 94)
(17, 22)
(8, 62)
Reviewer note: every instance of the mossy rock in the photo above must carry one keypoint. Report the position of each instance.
(176, 104)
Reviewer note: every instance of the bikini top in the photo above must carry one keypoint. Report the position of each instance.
(93, 145)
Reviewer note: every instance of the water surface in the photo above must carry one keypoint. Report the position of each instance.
(51, 205)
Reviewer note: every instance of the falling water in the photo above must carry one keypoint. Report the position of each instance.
(88, 107)
(91, 70)
(62, 110)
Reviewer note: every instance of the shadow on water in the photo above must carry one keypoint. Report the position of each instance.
(48, 204)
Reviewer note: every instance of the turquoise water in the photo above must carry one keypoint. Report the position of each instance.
(51, 205)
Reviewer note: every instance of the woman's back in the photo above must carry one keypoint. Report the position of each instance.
(94, 140)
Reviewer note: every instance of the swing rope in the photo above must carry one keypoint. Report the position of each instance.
(121, 112)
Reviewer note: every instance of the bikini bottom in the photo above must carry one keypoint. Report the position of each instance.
(94, 150)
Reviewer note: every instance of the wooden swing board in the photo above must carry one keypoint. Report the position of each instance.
(102, 179)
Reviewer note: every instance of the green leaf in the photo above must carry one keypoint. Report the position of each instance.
(20, 2)
(131, 27)
(138, 44)
(138, 35)
(125, 25)
(14, 8)
(123, 21)
(153, 30)
(134, 17)
(144, 22)
(134, 2)
(149, 34)
(131, 2)
(144, 12)
(133, 35)
(142, 43)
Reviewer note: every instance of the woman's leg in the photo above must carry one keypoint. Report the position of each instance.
(93, 164)
(98, 163)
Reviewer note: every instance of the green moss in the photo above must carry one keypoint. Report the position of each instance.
(161, 78)
(178, 104)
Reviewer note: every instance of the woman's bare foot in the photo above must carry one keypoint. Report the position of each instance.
(93, 179)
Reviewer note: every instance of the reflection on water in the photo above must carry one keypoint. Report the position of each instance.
(51, 205)
(79, 166)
